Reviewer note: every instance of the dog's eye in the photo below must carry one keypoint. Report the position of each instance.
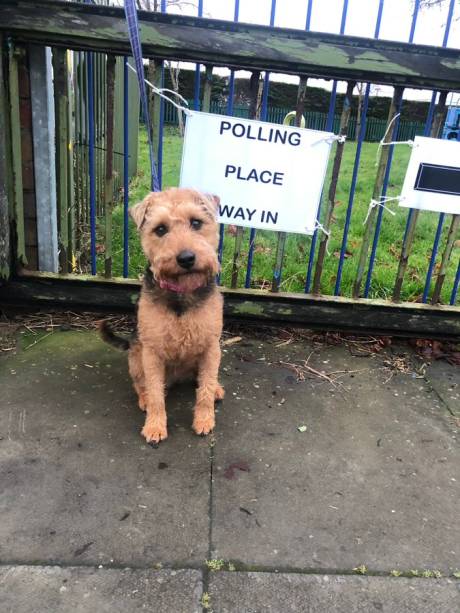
(161, 230)
(196, 224)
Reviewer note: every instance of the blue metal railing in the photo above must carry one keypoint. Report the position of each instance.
(354, 177)
(369, 128)
(263, 117)
(442, 216)
(329, 125)
(394, 136)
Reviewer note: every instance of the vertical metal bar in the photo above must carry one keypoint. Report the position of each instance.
(108, 188)
(453, 296)
(454, 226)
(264, 107)
(125, 167)
(231, 92)
(207, 89)
(91, 166)
(330, 115)
(409, 234)
(254, 88)
(328, 127)
(354, 178)
(412, 215)
(16, 155)
(281, 243)
(196, 93)
(378, 224)
(70, 159)
(263, 116)
(309, 11)
(61, 100)
(41, 98)
(5, 176)
(344, 121)
(162, 113)
(414, 20)
(376, 194)
(387, 174)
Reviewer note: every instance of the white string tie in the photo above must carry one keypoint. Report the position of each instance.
(160, 92)
(319, 226)
(340, 138)
(382, 203)
(382, 143)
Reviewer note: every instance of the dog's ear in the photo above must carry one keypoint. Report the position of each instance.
(139, 210)
(214, 202)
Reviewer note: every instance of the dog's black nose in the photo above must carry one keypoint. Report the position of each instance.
(186, 259)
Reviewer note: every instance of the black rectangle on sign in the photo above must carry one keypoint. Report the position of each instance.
(439, 179)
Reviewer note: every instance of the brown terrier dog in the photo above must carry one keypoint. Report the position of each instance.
(179, 320)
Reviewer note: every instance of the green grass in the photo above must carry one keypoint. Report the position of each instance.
(297, 246)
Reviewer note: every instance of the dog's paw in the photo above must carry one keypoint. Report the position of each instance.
(154, 432)
(203, 424)
(219, 393)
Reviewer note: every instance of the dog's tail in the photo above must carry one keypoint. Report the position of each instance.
(109, 336)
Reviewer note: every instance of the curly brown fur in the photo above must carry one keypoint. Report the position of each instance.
(180, 308)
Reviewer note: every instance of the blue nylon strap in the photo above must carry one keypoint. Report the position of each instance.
(134, 38)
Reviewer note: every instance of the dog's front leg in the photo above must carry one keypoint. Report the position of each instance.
(154, 428)
(208, 368)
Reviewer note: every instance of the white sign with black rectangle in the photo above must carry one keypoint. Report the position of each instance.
(432, 181)
(267, 176)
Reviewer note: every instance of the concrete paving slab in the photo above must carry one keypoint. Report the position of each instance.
(266, 592)
(78, 484)
(372, 480)
(445, 379)
(50, 589)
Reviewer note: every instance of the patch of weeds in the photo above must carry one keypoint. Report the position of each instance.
(436, 574)
(206, 601)
(414, 572)
(456, 574)
(215, 565)
(361, 569)
(396, 573)
(231, 567)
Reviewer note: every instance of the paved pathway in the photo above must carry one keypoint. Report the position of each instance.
(303, 482)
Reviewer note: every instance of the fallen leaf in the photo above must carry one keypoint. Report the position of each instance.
(232, 340)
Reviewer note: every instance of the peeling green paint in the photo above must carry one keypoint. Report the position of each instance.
(249, 308)
(226, 43)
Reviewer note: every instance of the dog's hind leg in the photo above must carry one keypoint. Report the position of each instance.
(136, 370)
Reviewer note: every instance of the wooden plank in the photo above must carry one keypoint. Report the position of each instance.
(16, 156)
(327, 222)
(377, 191)
(5, 172)
(61, 101)
(251, 306)
(237, 45)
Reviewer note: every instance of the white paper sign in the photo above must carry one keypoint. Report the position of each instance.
(432, 180)
(267, 176)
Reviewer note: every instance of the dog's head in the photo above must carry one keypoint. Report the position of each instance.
(178, 229)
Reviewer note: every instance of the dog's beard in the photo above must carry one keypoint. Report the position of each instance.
(184, 283)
